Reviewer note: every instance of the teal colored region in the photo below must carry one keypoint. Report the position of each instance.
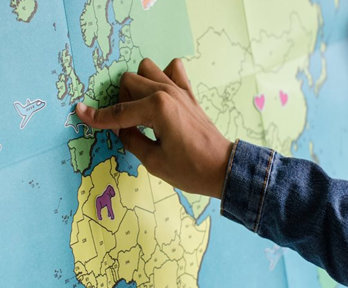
(36, 222)
(101, 151)
(29, 57)
(124, 284)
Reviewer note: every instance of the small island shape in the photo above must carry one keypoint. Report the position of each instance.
(24, 9)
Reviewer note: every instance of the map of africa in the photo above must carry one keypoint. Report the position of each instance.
(78, 210)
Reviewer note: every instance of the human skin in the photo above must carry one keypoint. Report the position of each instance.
(189, 153)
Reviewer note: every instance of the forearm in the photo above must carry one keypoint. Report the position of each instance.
(290, 201)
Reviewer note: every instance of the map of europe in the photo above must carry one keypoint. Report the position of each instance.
(78, 210)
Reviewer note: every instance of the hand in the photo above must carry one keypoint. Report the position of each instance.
(190, 153)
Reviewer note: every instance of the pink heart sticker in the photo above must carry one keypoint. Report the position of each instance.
(283, 98)
(259, 102)
(147, 4)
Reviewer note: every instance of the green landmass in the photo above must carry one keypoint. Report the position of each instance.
(102, 90)
(121, 9)
(134, 60)
(75, 88)
(95, 26)
(97, 61)
(125, 53)
(116, 69)
(125, 30)
(163, 46)
(80, 149)
(24, 9)
(88, 23)
(62, 87)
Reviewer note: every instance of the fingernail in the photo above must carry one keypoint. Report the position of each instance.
(82, 107)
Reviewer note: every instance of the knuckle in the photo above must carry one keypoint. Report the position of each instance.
(167, 89)
(160, 100)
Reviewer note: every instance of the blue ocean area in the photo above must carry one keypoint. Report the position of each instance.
(41, 210)
(126, 162)
(34, 46)
(36, 212)
(124, 284)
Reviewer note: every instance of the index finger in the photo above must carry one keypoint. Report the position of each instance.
(118, 116)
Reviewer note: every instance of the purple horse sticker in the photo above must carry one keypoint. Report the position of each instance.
(104, 200)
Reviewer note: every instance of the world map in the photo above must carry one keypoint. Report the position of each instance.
(79, 210)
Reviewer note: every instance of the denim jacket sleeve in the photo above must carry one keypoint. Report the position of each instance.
(291, 202)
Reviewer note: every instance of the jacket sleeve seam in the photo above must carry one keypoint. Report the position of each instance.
(228, 171)
(263, 192)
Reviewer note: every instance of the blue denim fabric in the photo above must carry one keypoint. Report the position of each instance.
(290, 201)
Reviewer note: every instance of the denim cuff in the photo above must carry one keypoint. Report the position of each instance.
(246, 181)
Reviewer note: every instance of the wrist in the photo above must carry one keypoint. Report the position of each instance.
(224, 169)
